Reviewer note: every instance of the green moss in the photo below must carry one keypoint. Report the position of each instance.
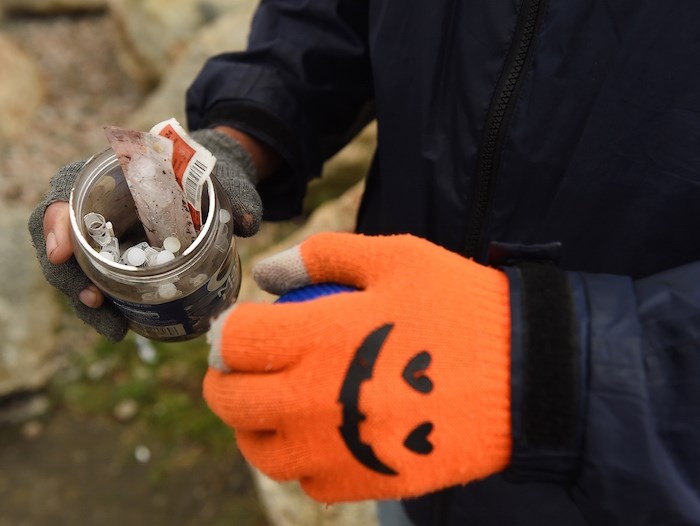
(167, 390)
(171, 417)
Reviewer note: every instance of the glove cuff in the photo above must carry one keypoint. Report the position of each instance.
(62, 183)
(489, 327)
(227, 150)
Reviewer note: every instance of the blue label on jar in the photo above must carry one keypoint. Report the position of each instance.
(186, 316)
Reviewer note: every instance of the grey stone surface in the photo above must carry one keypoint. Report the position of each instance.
(155, 33)
(21, 92)
(28, 310)
(229, 32)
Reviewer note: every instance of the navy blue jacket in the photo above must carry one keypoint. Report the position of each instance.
(524, 122)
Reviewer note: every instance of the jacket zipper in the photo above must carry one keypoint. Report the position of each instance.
(497, 120)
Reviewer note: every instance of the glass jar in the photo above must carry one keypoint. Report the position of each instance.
(172, 301)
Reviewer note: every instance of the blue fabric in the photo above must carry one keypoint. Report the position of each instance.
(599, 152)
(311, 292)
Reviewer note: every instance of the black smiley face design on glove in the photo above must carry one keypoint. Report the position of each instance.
(360, 370)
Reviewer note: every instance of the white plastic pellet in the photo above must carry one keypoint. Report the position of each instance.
(167, 291)
(224, 216)
(164, 257)
(106, 254)
(135, 256)
(171, 244)
(198, 280)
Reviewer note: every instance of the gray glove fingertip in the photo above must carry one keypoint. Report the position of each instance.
(216, 360)
(246, 205)
(281, 272)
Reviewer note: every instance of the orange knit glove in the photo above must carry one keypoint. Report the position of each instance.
(394, 390)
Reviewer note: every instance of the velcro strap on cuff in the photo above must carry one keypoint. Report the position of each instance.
(547, 390)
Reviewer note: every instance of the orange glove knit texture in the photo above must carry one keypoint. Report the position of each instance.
(396, 390)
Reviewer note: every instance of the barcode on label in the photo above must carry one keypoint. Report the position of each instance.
(194, 182)
(156, 331)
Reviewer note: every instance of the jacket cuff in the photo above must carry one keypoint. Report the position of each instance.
(548, 371)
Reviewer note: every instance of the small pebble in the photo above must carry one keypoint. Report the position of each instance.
(126, 410)
(32, 429)
(142, 454)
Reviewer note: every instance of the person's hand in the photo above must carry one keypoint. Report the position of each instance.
(235, 170)
(49, 226)
(394, 390)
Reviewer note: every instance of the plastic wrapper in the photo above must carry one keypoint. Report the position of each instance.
(146, 161)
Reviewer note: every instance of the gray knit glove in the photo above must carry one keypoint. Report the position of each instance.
(234, 170)
(68, 277)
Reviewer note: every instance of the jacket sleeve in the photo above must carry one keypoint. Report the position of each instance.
(627, 394)
(303, 86)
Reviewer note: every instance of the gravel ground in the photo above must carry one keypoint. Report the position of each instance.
(85, 91)
(77, 473)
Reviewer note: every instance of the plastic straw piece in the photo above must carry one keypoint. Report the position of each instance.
(97, 228)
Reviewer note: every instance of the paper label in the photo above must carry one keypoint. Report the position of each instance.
(192, 164)
(188, 315)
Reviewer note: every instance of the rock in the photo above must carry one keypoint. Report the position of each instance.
(29, 313)
(21, 92)
(23, 407)
(47, 7)
(32, 429)
(227, 33)
(286, 504)
(154, 33)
